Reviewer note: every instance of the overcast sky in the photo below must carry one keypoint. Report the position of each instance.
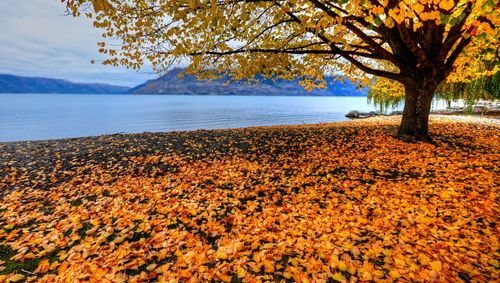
(36, 39)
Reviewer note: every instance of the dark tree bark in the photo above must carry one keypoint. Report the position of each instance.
(418, 99)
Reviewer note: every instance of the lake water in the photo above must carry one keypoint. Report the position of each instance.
(54, 116)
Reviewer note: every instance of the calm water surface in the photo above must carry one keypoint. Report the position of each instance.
(54, 116)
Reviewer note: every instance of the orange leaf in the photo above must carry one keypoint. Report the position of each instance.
(43, 266)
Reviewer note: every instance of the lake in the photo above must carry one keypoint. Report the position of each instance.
(54, 116)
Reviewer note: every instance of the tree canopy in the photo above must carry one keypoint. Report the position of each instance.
(413, 42)
(477, 78)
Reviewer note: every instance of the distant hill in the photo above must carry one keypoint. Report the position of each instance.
(171, 83)
(18, 84)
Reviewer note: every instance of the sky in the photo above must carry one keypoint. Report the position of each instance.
(37, 39)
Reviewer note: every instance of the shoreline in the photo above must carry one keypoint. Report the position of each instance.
(58, 160)
(459, 117)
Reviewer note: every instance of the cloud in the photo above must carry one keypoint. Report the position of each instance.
(39, 40)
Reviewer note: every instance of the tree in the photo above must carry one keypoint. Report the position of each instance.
(413, 42)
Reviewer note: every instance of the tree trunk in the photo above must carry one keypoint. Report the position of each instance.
(415, 122)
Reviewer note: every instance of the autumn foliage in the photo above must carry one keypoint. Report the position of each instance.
(305, 204)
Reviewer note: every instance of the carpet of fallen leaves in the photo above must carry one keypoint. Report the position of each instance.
(324, 203)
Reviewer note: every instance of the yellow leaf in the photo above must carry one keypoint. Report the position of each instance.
(378, 274)
(91, 231)
(101, 5)
(423, 259)
(342, 266)
(16, 278)
(241, 272)
(436, 265)
(399, 262)
(339, 277)
(418, 8)
(221, 255)
(255, 245)
(365, 275)
(268, 266)
(151, 267)
(446, 4)
(119, 240)
(394, 274)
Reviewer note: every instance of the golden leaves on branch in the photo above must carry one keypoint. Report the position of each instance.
(296, 39)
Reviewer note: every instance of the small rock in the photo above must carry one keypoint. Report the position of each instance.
(352, 114)
(361, 115)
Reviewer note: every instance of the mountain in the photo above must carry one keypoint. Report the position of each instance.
(172, 83)
(18, 84)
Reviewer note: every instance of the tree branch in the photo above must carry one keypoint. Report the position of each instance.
(352, 60)
(363, 36)
(295, 50)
